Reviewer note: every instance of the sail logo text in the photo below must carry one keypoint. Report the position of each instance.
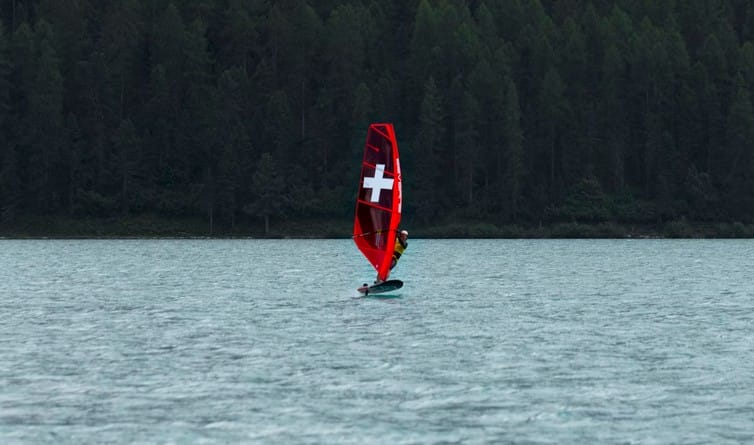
(378, 182)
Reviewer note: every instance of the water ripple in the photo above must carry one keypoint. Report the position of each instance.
(493, 341)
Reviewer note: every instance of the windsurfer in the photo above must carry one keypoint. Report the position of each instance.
(401, 243)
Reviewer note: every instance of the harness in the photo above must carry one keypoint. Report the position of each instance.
(400, 247)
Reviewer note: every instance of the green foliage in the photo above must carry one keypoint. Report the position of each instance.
(575, 230)
(426, 151)
(585, 114)
(734, 230)
(4, 82)
(127, 154)
(738, 156)
(678, 229)
(268, 186)
(585, 202)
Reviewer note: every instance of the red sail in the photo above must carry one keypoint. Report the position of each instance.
(378, 203)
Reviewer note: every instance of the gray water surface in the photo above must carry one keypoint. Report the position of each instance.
(267, 341)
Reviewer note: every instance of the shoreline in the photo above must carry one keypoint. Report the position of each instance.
(151, 227)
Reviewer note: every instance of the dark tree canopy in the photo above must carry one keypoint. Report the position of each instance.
(254, 112)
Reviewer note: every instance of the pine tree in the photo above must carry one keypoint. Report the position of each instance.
(424, 52)
(9, 182)
(513, 186)
(270, 200)
(78, 173)
(234, 145)
(126, 147)
(302, 47)
(164, 105)
(10, 185)
(465, 144)
(428, 148)
(228, 175)
(240, 36)
(553, 110)
(738, 160)
(614, 130)
(5, 69)
(44, 125)
(122, 32)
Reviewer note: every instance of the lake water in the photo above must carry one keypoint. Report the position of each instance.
(267, 341)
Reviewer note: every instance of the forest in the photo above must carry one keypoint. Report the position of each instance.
(248, 117)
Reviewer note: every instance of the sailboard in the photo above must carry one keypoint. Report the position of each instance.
(378, 288)
(379, 199)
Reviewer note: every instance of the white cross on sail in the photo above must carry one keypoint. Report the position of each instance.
(378, 183)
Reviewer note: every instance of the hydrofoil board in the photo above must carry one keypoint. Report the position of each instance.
(385, 286)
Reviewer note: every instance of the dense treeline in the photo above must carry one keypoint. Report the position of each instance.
(516, 111)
